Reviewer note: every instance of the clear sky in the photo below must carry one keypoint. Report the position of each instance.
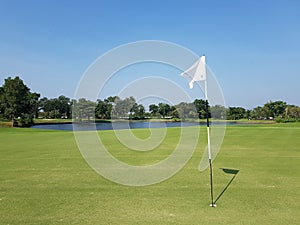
(253, 47)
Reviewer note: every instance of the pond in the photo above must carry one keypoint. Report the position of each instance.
(123, 125)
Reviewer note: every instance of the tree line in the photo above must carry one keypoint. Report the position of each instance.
(19, 105)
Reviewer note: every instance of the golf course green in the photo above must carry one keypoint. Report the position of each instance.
(45, 180)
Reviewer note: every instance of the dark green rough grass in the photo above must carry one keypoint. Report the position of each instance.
(44, 180)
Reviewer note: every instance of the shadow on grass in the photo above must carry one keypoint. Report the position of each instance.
(229, 171)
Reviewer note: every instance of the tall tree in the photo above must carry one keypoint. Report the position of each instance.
(2, 108)
(275, 109)
(138, 111)
(164, 109)
(56, 108)
(200, 106)
(83, 109)
(153, 110)
(101, 109)
(292, 111)
(110, 102)
(18, 102)
(258, 113)
(236, 113)
(123, 108)
(185, 110)
(217, 112)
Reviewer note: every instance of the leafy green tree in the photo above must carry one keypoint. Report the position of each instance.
(248, 114)
(131, 105)
(138, 111)
(200, 106)
(217, 112)
(293, 112)
(41, 105)
(258, 113)
(2, 108)
(34, 104)
(56, 108)
(104, 108)
(164, 109)
(153, 110)
(236, 113)
(83, 109)
(123, 108)
(275, 109)
(111, 99)
(64, 106)
(186, 110)
(101, 109)
(17, 103)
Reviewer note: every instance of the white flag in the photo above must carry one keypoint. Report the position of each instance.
(197, 72)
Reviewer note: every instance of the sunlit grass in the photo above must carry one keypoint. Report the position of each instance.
(45, 180)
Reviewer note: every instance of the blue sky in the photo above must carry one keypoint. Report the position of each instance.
(252, 46)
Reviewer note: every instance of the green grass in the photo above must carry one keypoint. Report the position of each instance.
(44, 180)
(49, 121)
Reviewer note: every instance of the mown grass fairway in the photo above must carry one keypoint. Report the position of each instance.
(44, 180)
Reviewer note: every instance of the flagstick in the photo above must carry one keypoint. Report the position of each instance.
(200, 75)
(208, 148)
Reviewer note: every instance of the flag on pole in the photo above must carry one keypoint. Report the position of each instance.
(197, 72)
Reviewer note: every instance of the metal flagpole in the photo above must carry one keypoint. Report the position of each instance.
(200, 75)
(208, 147)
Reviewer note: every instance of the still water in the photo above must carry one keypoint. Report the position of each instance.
(123, 125)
